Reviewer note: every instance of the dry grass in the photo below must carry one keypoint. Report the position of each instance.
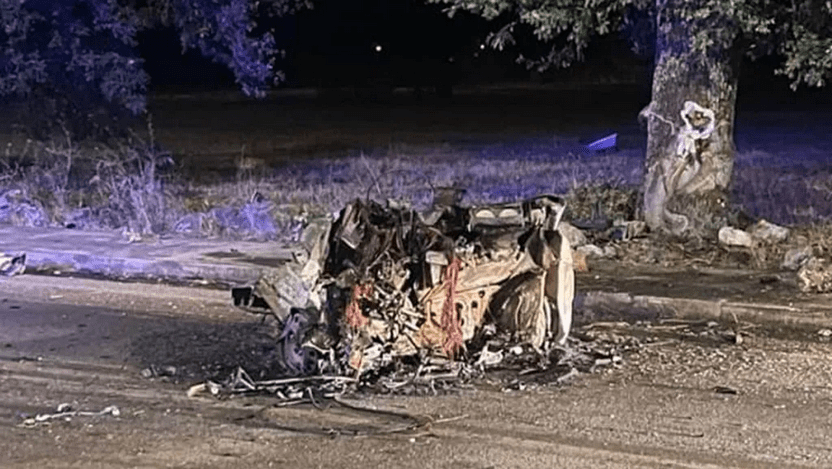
(125, 190)
(61, 182)
(784, 189)
(412, 174)
(251, 169)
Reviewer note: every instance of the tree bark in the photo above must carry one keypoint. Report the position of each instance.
(690, 122)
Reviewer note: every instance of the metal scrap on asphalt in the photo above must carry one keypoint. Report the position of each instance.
(398, 299)
(65, 412)
(385, 283)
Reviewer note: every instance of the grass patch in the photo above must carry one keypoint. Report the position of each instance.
(254, 170)
(413, 173)
(59, 182)
(135, 186)
(783, 189)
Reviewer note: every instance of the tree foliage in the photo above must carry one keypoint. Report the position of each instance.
(89, 46)
(798, 31)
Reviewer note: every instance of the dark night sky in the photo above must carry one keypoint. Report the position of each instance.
(334, 45)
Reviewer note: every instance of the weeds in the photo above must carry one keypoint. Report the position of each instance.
(91, 185)
(127, 177)
(263, 187)
(133, 185)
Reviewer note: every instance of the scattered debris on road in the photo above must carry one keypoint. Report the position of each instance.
(385, 283)
(401, 300)
(396, 301)
(64, 411)
(592, 348)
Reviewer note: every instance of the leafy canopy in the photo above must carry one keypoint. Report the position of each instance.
(91, 44)
(798, 31)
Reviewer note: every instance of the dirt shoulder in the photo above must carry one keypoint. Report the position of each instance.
(683, 398)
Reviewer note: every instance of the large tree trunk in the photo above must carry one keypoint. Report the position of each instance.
(690, 122)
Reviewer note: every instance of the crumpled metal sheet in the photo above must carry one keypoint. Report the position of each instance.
(399, 283)
(292, 285)
(295, 358)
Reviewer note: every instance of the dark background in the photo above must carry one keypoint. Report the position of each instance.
(400, 43)
(335, 46)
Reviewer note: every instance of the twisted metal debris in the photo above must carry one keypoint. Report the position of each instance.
(385, 288)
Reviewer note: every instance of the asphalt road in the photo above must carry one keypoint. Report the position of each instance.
(683, 399)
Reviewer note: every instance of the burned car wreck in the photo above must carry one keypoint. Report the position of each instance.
(385, 283)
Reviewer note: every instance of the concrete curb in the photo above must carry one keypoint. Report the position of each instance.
(127, 268)
(599, 305)
(224, 264)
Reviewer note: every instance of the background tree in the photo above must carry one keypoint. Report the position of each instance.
(698, 47)
(75, 52)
